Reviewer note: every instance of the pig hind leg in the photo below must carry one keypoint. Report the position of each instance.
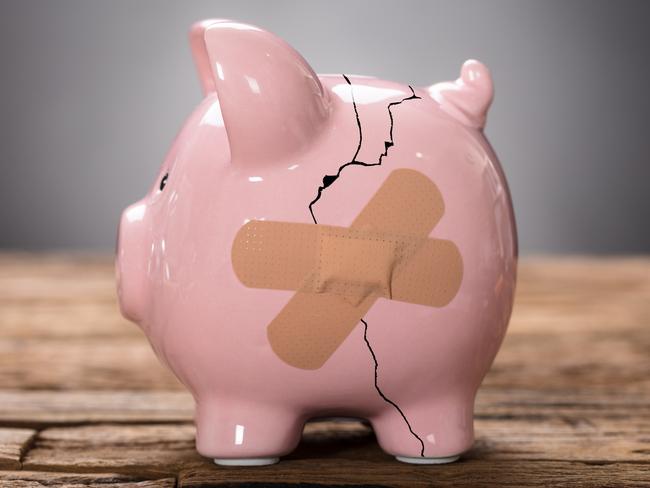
(438, 430)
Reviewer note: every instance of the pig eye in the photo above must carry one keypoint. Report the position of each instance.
(163, 182)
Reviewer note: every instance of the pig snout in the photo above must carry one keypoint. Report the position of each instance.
(131, 262)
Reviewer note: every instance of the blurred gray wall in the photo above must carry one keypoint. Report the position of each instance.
(92, 93)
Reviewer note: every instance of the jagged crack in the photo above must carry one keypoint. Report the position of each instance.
(381, 393)
(327, 181)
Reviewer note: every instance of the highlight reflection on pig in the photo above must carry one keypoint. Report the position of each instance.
(330, 245)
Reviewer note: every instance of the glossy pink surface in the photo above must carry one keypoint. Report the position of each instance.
(258, 147)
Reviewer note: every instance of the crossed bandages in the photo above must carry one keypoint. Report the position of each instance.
(338, 273)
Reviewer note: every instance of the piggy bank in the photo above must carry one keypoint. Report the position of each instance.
(323, 246)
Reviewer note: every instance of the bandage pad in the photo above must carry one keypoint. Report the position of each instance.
(339, 272)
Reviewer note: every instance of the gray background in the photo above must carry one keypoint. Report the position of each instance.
(92, 94)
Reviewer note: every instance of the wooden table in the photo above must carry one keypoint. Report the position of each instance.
(84, 402)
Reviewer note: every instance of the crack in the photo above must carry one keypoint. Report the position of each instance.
(327, 181)
(381, 393)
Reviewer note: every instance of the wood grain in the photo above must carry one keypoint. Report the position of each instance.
(151, 450)
(41, 408)
(476, 474)
(30, 479)
(13, 443)
(567, 402)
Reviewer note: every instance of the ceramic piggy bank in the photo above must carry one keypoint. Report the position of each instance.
(331, 245)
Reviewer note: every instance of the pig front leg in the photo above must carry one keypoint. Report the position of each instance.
(440, 430)
(236, 433)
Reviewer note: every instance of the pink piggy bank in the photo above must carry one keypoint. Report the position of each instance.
(315, 246)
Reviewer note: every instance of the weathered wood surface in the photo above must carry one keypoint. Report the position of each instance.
(13, 443)
(40, 408)
(84, 402)
(29, 479)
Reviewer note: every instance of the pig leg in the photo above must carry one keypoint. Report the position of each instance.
(245, 434)
(441, 429)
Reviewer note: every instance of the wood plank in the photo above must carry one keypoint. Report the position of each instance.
(59, 296)
(596, 440)
(601, 294)
(39, 409)
(13, 444)
(30, 279)
(82, 364)
(601, 361)
(471, 473)
(151, 450)
(166, 483)
(32, 479)
(574, 405)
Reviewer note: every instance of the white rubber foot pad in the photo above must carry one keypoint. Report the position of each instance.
(425, 460)
(247, 461)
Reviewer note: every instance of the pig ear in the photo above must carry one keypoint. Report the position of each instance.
(272, 102)
(468, 98)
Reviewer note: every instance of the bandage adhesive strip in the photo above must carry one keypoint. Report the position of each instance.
(338, 273)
